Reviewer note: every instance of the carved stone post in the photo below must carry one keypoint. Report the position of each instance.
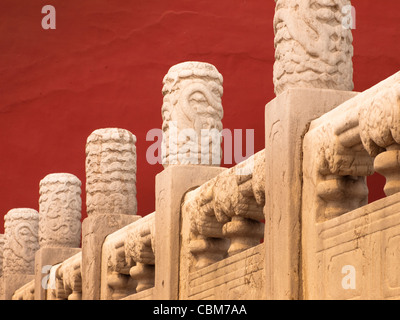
(21, 244)
(110, 198)
(192, 113)
(191, 153)
(60, 211)
(313, 45)
(59, 224)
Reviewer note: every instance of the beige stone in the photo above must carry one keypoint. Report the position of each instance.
(287, 119)
(341, 148)
(21, 243)
(192, 113)
(123, 252)
(313, 46)
(171, 186)
(239, 277)
(95, 229)
(69, 274)
(26, 292)
(60, 211)
(111, 172)
(44, 259)
(111, 197)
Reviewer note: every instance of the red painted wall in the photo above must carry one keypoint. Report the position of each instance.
(103, 67)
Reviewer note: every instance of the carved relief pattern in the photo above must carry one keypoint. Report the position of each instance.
(230, 206)
(111, 172)
(139, 252)
(312, 48)
(21, 241)
(69, 274)
(192, 101)
(346, 143)
(60, 211)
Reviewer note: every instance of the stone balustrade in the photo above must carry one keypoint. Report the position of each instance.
(347, 144)
(128, 259)
(225, 213)
(205, 238)
(26, 292)
(65, 280)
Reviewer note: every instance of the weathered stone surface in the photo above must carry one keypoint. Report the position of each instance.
(171, 186)
(44, 259)
(192, 113)
(21, 241)
(287, 119)
(312, 47)
(94, 231)
(26, 292)
(111, 172)
(60, 211)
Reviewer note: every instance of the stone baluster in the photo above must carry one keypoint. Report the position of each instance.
(312, 47)
(206, 240)
(388, 164)
(119, 283)
(380, 134)
(21, 244)
(55, 286)
(71, 276)
(118, 279)
(139, 252)
(236, 205)
(60, 211)
(229, 206)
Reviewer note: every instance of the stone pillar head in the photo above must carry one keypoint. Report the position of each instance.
(313, 45)
(111, 172)
(192, 113)
(21, 241)
(60, 214)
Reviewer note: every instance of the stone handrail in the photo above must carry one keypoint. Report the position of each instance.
(224, 213)
(65, 281)
(349, 143)
(128, 259)
(26, 292)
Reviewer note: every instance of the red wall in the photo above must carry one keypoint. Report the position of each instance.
(103, 67)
